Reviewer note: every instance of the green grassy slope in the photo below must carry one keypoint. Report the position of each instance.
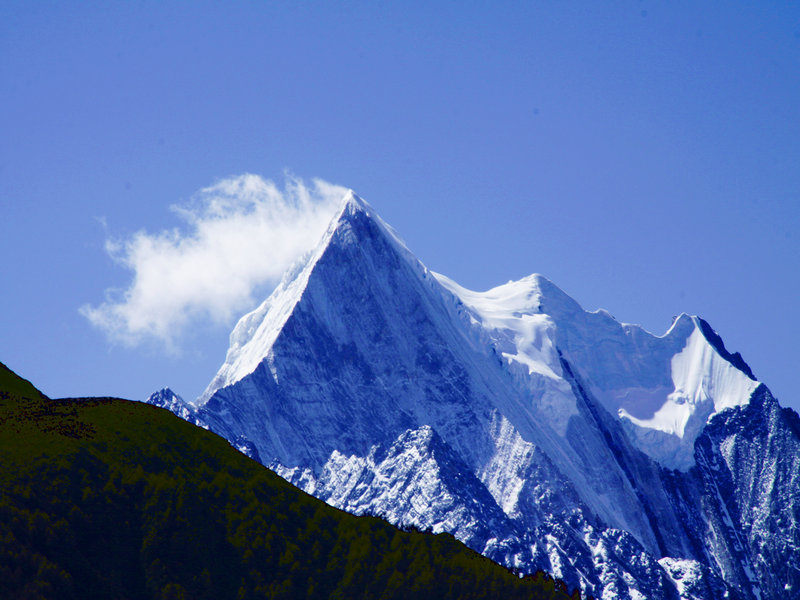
(106, 498)
(12, 384)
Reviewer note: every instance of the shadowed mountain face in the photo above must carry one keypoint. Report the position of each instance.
(105, 498)
(542, 435)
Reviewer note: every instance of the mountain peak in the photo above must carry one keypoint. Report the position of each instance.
(355, 212)
(493, 415)
(356, 234)
(716, 342)
(166, 398)
(352, 210)
(352, 203)
(549, 298)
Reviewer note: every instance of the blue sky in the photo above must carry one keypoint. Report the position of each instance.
(643, 156)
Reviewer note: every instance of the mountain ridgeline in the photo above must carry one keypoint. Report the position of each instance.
(543, 436)
(106, 498)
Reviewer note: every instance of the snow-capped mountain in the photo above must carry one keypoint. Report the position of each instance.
(541, 435)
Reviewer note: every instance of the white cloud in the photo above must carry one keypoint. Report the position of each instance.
(240, 234)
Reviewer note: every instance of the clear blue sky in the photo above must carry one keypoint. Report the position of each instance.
(644, 156)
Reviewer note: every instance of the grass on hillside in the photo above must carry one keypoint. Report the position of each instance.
(106, 498)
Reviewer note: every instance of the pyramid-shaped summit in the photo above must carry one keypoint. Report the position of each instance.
(359, 324)
(354, 228)
(544, 436)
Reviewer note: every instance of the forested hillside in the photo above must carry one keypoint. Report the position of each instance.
(106, 498)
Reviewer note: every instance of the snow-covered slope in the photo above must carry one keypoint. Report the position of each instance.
(666, 388)
(542, 435)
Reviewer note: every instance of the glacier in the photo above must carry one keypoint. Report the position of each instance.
(542, 435)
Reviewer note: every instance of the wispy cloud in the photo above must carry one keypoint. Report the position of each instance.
(239, 234)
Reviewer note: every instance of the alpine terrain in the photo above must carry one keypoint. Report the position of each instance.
(541, 435)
